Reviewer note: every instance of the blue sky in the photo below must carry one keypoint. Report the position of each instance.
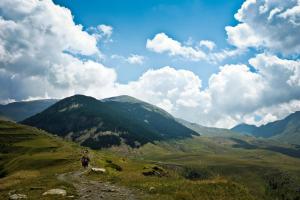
(135, 21)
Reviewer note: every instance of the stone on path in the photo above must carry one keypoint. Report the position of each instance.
(101, 170)
(56, 191)
(17, 196)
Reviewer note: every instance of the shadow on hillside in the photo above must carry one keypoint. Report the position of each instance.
(283, 150)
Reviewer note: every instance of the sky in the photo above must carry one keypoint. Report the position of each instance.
(214, 62)
(135, 21)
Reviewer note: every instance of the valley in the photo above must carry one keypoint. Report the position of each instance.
(194, 162)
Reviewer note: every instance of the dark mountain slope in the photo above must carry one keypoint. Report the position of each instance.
(103, 123)
(19, 111)
(245, 128)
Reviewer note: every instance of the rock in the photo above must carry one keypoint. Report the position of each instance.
(109, 190)
(101, 170)
(17, 196)
(151, 189)
(12, 192)
(156, 171)
(56, 192)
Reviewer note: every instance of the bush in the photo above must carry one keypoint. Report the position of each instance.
(196, 174)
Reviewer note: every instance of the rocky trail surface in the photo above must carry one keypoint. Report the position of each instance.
(95, 190)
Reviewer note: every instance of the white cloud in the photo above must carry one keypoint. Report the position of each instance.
(210, 45)
(135, 59)
(235, 94)
(272, 113)
(132, 59)
(274, 25)
(37, 42)
(217, 57)
(161, 43)
(105, 30)
(165, 87)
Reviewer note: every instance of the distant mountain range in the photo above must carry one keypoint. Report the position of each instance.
(287, 129)
(208, 131)
(124, 119)
(19, 111)
(113, 121)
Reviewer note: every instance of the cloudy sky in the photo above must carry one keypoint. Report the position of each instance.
(214, 62)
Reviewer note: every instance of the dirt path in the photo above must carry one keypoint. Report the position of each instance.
(95, 190)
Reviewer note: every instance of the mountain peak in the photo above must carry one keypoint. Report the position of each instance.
(104, 123)
(123, 98)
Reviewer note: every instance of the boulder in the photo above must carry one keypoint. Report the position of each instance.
(151, 189)
(56, 191)
(17, 196)
(99, 170)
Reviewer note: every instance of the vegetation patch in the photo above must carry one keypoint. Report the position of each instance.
(155, 171)
(283, 185)
(103, 141)
(193, 173)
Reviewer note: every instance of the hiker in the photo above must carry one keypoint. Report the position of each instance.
(85, 160)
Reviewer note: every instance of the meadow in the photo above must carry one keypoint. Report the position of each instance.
(196, 168)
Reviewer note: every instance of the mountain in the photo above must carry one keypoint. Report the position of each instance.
(113, 121)
(287, 129)
(19, 111)
(207, 131)
(245, 129)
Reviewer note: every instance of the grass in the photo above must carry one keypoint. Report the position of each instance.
(30, 160)
(221, 171)
(201, 168)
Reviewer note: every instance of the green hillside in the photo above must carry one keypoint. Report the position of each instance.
(198, 168)
(266, 169)
(30, 158)
(104, 123)
(19, 111)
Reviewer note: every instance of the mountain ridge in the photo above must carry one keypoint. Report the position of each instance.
(286, 129)
(18, 111)
(104, 123)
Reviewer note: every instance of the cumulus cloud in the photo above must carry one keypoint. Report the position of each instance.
(274, 25)
(208, 44)
(135, 59)
(161, 43)
(105, 29)
(166, 87)
(235, 94)
(39, 42)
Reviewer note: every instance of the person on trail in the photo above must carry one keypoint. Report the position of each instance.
(85, 160)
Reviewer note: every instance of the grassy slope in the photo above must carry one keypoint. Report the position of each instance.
(250, 169)
(32, 158)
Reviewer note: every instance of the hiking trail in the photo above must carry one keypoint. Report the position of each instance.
(95, 190)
